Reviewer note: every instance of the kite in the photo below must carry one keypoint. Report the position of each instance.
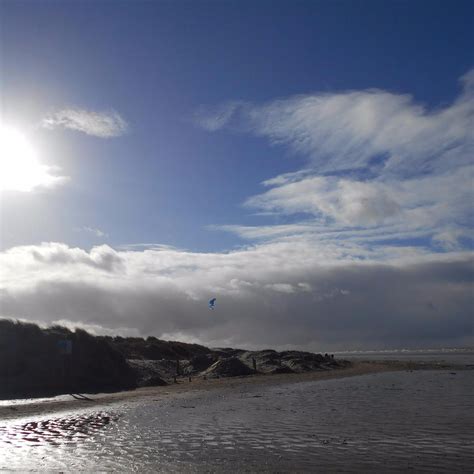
(212, 303)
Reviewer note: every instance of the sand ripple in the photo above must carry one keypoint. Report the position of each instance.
(392, 422)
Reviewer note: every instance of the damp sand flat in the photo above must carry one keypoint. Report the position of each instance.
(381, 422)
(17, 408)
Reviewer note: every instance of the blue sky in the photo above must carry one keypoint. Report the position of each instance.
(225, 130)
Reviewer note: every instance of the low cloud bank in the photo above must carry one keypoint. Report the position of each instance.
(265, 298)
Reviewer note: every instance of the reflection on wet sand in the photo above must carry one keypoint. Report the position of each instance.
(387, 422)
(55, 431)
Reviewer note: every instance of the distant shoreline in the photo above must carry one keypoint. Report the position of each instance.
(13, 409)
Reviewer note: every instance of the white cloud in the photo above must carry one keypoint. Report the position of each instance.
(346, 201)
(94, 231)
(363, 129)
(296, 293)
(270, 231)
(57, 255)
(424, 201)
(99, 124)
(281, 287)
(380, 167)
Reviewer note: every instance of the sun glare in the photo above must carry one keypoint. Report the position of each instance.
(20, 168)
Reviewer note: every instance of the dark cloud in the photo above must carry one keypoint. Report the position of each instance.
(103, 257)
(330, 307)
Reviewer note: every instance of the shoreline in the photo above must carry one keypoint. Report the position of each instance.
(13, 409)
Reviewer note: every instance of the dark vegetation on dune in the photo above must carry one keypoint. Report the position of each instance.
(39, 362)
(32, 363)
(154, 349)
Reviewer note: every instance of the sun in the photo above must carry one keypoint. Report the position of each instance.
(20, 168)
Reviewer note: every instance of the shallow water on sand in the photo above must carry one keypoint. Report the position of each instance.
(400, 421)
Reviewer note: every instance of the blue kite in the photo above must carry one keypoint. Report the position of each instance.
(212, 303)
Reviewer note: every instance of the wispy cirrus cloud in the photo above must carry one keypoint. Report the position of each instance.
(379, 167)
(99, 124)
(215, 118)
(426, 201)
(94, 231)
(370, 129)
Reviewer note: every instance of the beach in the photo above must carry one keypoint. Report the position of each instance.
(11, 409)
(374, 414)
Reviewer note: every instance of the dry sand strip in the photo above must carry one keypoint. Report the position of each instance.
(42, 407)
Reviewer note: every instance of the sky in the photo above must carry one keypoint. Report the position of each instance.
(308, 163)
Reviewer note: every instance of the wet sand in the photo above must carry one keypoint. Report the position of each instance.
(388, 418)
(13, 409)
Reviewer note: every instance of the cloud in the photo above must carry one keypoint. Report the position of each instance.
(378, 224)
(426, 201)
(94, 231)
(372, 249)
(371, 129)
(99, 124)
(55, 255)
(346, 201)
(296, 293)
(269, 231)
(449, 238)
(215, 118)
(379, 167)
